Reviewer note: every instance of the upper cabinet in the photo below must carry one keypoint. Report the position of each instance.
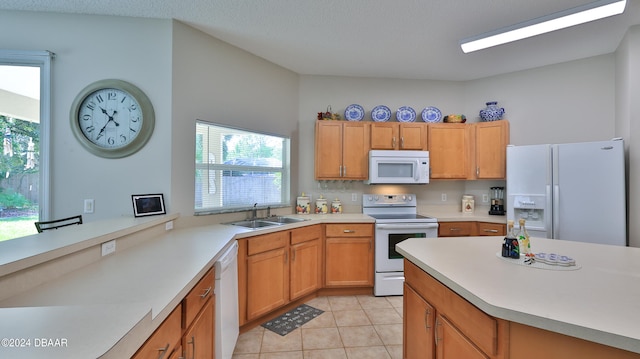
(399, 136)
(342, 149)
(491, 140)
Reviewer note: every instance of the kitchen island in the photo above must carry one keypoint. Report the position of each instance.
(589, 311)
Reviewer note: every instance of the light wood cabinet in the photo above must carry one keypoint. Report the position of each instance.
(418, 326)
(491, 140)
(341, 150)
(165, 339)
(399, 136)
(460, 330)
(471, 228)
(306, 261)
(267, 273)
(449, 150)
(199, 338)
(349, 254)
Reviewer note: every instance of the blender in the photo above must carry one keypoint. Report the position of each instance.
(497, 201)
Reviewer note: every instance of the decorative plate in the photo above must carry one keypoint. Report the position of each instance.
(431, 114)
(406, 114)
(354, 113)
(381, 113)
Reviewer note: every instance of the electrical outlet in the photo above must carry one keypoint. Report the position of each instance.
(444, 197)
(88, 206)
(354, 197)
(108, 247)
(485, 198)
(168, 226)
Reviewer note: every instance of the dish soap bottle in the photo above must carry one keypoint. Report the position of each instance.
(510, 248)
(523, 239)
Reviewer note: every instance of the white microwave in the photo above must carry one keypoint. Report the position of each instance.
(398, 167)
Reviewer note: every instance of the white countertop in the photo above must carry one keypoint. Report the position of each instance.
(107, 309)
(599, 302)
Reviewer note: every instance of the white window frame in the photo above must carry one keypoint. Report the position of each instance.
(41, 59)
(286, 173)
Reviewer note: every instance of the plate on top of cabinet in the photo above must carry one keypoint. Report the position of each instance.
(354, 113)
(431, 114)
(406, 114)
(381, 113)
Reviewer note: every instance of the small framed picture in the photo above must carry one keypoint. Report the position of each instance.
(148, 204)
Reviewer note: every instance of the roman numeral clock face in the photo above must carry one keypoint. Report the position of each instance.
(112, 118)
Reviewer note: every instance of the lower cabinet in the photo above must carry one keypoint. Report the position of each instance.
(471, 228)
(349, 255)
(438, 323)
(188, 332)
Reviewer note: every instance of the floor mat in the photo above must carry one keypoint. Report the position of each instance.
(292, 319)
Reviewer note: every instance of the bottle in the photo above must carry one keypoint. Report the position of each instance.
(507, 246)
(523, 239)
(514, 247)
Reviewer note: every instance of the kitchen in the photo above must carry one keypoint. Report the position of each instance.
(569, 89)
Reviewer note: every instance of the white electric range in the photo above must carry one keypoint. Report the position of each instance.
(396, 220)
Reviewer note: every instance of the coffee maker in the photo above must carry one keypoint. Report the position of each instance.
(497, 201)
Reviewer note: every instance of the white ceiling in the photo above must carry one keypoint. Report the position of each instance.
(409, 39)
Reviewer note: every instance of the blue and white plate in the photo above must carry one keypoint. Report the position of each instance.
(406, 114)
(354, 113)
(431, 114)
(381, 113)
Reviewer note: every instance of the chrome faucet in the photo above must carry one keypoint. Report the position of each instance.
(254, 212)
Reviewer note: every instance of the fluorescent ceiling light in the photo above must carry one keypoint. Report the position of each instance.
(560, 20)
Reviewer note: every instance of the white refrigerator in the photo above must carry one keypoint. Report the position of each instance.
(573, 191)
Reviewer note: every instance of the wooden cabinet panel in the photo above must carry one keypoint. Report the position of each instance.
(198, 296)
(449, 150)
(399, 136)
(349, 261)
(418, 326)
(267, 282)
(491, 140)
(413, 136)
(342, 150)
(199, 339)
(267, 242)
(456, 229)
(305, 234)
(451, 344)
(491, 229)
(306, 268)
(384, 136)
(349, 230)
(164, 339)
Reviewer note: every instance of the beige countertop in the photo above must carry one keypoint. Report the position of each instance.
(599, 301)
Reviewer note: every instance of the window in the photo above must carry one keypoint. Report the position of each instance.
(237, 168)
(24, 122)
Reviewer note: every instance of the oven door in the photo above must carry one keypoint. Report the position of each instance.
(388, 235)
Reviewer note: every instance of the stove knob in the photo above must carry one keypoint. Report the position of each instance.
(404, 198)
(376, 197)
(410, 198)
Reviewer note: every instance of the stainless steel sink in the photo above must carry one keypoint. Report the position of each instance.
(267, 222)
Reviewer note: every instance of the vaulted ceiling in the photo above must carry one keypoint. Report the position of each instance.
(408, 39)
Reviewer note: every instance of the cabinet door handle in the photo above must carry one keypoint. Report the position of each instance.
(206, 293)
(340, 170)
(193, 345)
(455, 229)
(393, 142)
(477, 171)
(344, 171)
(491, 230)
(163, 351)
(438, 325)
(348, 231)
(427, 313)
(402, 142)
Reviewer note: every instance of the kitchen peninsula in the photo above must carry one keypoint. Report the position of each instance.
(489, 307)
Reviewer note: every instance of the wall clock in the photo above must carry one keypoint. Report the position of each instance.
(112, 118)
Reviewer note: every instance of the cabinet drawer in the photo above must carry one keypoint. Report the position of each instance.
(162, 341)
(491, 229)
(349, 230)
(267, 242)
(306, 234)
(455, 229)
(198, 296)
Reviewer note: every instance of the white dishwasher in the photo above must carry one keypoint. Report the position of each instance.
(227, 323)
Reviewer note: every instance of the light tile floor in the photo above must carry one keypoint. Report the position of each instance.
(351, 327)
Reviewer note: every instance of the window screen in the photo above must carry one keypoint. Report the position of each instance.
(237, 168)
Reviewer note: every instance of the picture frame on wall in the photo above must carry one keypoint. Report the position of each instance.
(148, 204)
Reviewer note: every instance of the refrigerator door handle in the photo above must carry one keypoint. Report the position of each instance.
(556, 212)
(548, 219)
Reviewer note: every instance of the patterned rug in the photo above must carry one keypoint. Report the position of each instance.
(292, 319)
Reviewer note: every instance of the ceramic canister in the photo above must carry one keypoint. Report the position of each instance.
(468, 204)
(336, 206)
(321, 205)
(303, 205)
